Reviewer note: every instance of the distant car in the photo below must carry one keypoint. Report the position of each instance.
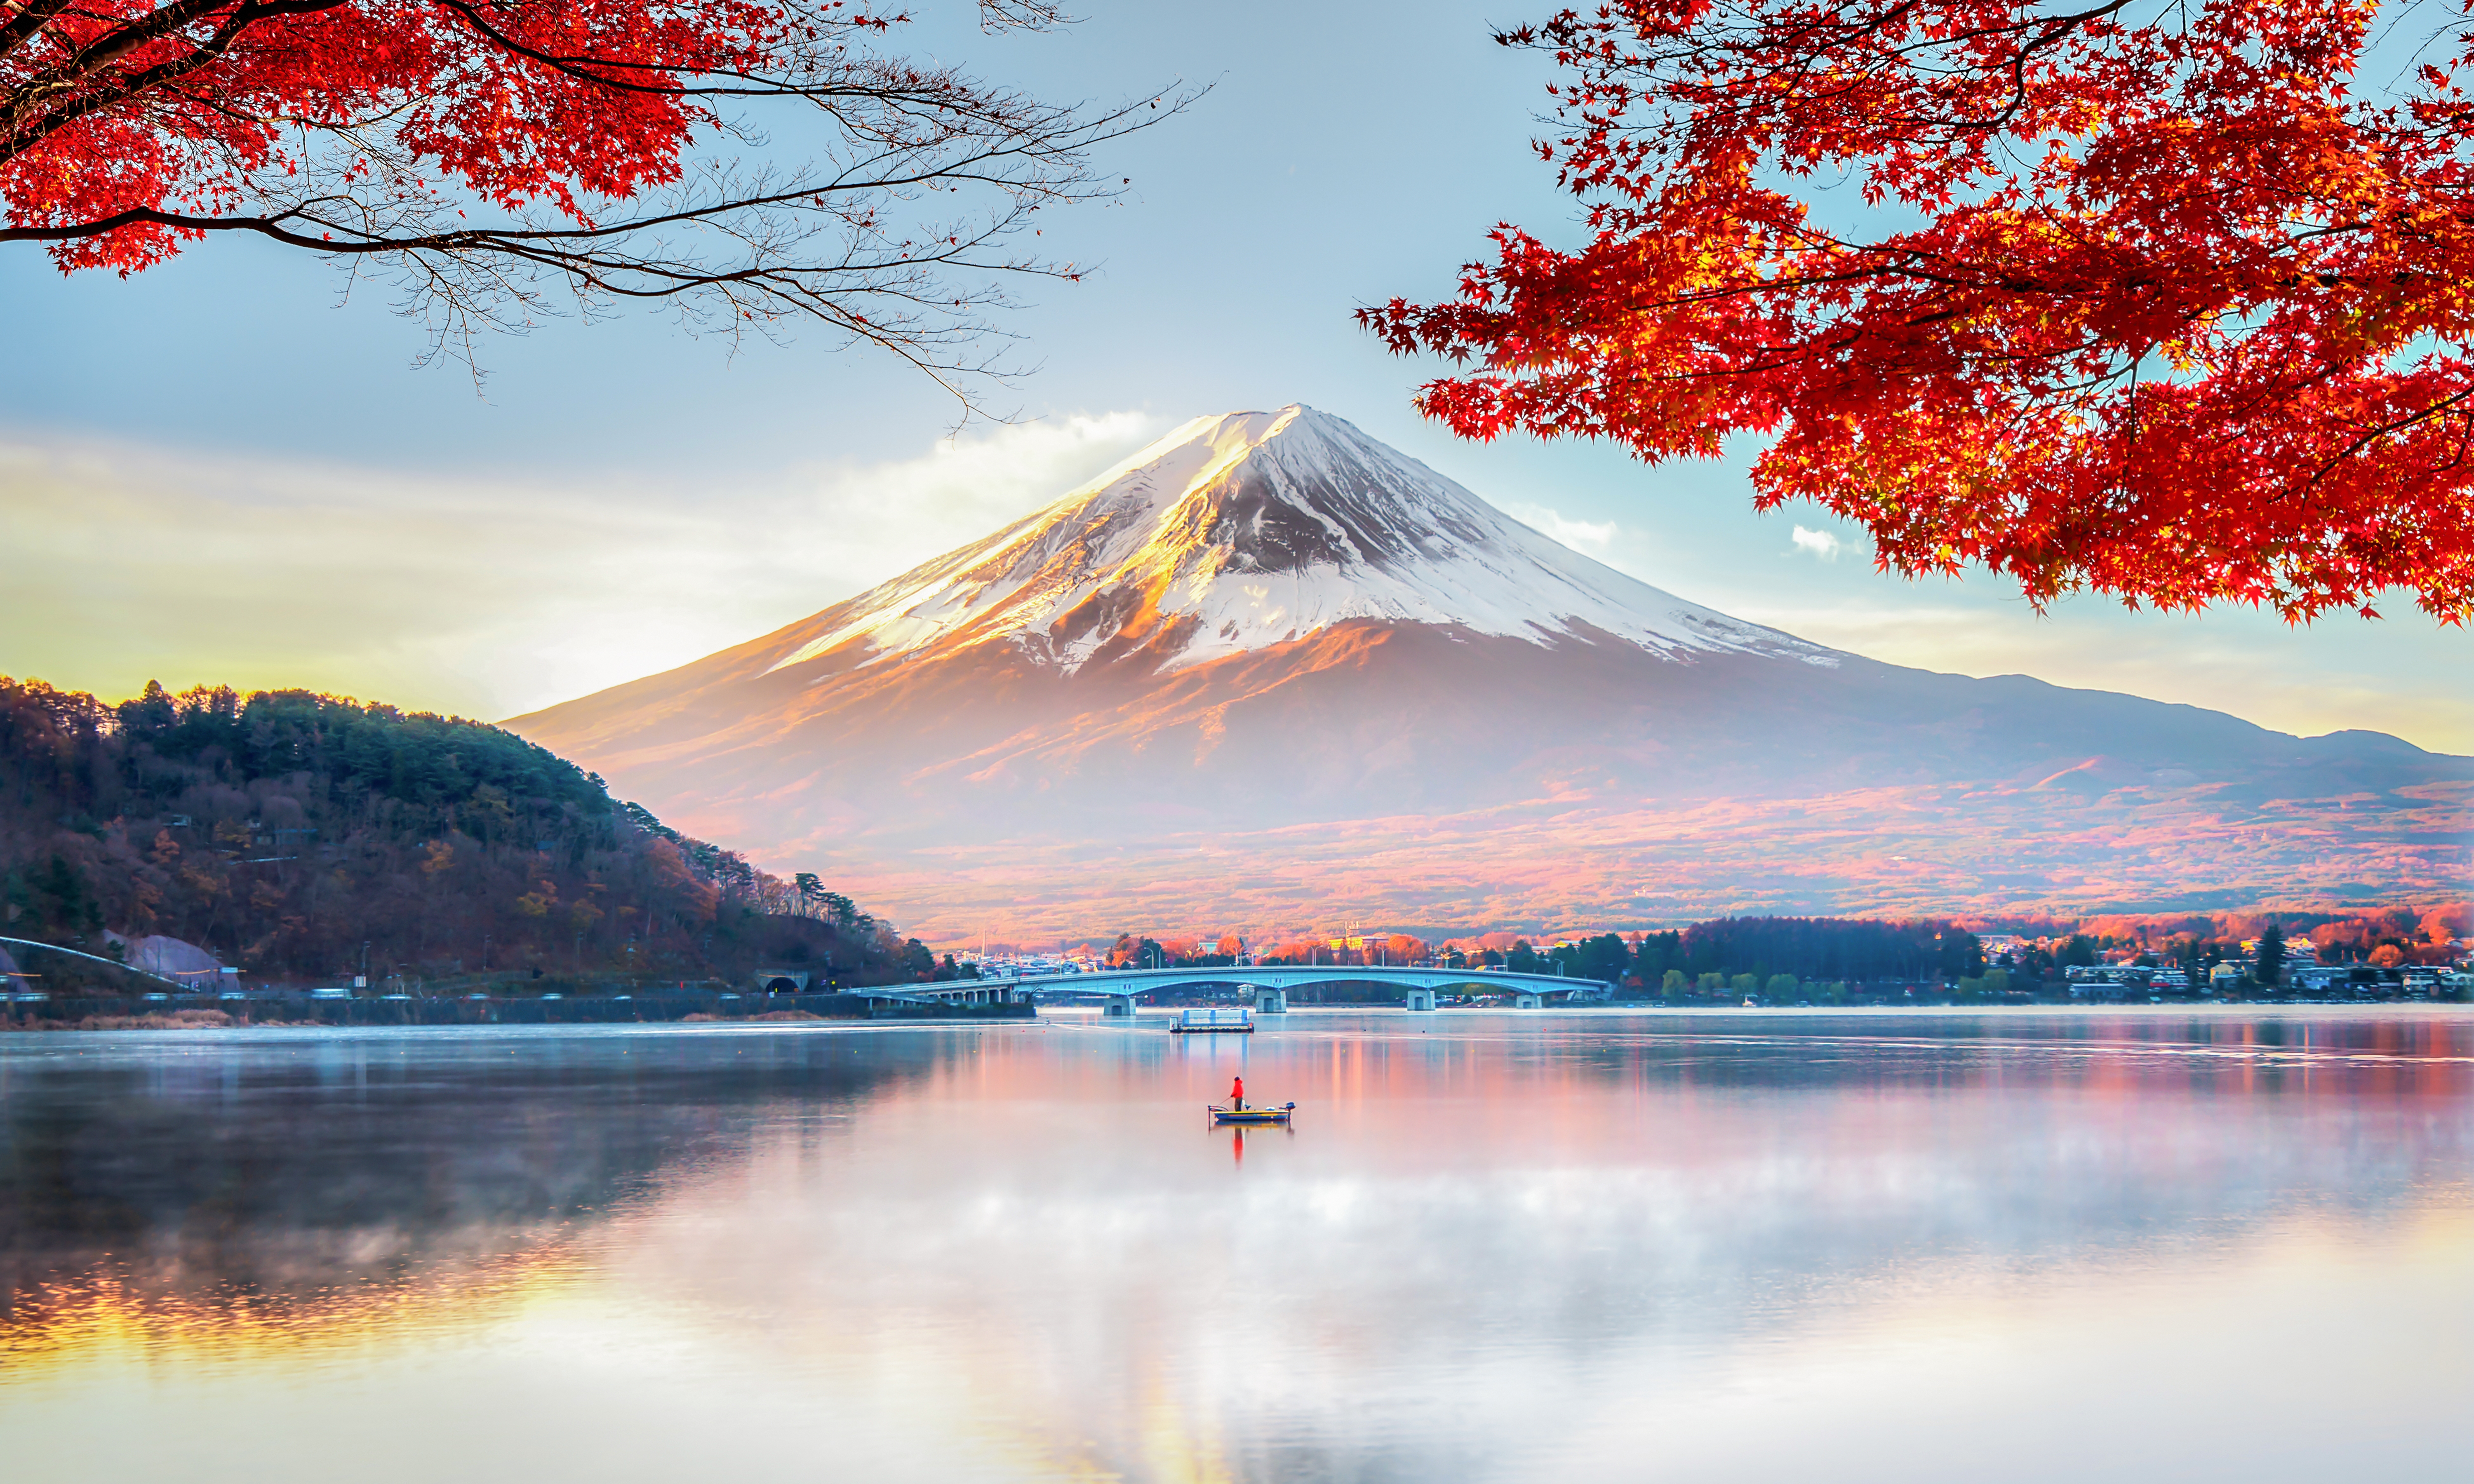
(477, 994)
(622, 996)
(554, 996)
(155, 995)
(395, 997)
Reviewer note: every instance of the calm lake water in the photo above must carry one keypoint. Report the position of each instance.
(1549, 1246)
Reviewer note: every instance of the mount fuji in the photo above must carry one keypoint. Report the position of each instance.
(1271, 674)
(1241, 532)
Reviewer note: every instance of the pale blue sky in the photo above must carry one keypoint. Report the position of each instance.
(222, 470)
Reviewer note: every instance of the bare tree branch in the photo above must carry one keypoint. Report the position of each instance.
(899, 231)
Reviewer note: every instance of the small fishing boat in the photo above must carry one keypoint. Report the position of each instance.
(1250, 1116)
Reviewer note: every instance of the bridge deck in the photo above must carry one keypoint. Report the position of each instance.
(1126, 982)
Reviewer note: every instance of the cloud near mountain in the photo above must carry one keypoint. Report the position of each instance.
(1268, 672)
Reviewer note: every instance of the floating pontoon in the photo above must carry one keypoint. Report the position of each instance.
(1236, 1021)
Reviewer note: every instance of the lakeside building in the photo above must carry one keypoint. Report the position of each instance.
(2415, 981)
(2120, 981)
(1028, 965)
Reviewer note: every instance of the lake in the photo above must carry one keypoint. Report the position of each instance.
(1495, 1246)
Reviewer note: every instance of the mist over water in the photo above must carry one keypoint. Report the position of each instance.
(1507, 1246)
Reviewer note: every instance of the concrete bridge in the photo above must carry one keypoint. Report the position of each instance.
(1269, 984)
(953, 992)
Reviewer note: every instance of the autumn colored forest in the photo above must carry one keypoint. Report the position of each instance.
(301, 836)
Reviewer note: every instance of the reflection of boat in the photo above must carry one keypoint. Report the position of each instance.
(1237, 1021)
(1251, 1116)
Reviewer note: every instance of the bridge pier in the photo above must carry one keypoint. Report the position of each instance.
(1528, 999)
(1421, 999)
(1121, 1005)
(1271, 1001)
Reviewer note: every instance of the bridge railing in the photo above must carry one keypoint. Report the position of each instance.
(1119, 983)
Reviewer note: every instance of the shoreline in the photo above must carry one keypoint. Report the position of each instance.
(192, 1021)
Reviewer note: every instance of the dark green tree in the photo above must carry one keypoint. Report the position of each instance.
(1959, 955)
(2268, 971)
(1605, 957)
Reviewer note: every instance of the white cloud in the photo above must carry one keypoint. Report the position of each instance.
(1590, 535)
(488, 598)
(863, 524)
(1821, 543)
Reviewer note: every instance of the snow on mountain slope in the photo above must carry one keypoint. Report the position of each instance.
(1237, 531)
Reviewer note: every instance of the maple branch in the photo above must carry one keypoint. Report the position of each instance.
(79, 66)
(30, 17)
(602, 71)
(469, 107)
(2050, 35)
(463, 271)
(2373, 435)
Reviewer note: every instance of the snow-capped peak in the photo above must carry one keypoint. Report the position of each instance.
(1254, 528)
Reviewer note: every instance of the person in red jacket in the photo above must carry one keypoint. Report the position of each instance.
(1237, 1095)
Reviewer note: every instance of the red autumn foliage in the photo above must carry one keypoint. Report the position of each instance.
(2150, 302)
(485, 148)
(2421, 936)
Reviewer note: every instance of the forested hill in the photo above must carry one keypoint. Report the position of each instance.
(284, 830)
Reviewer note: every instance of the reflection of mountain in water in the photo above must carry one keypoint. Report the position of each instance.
(1495, 1230)
(288, 1165)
